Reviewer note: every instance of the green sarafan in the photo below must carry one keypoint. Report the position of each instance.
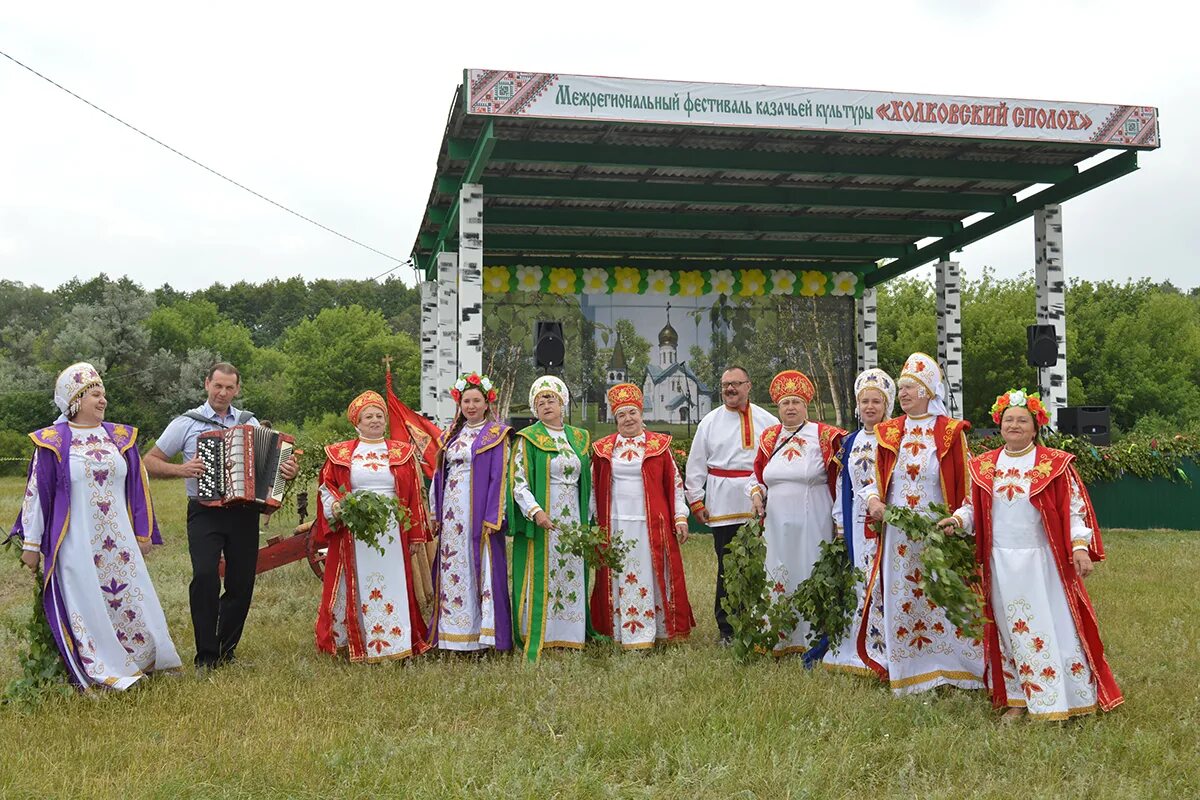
(949, 575)
(368, 516)
(593, 544)
(826, 598)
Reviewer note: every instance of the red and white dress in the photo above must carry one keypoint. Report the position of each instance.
(795, 471)
(639, 498)
(369, 605)
(1031, 512)
(919, 460)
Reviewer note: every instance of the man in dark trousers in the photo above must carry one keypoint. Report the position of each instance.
(214, 530)
(719, 467)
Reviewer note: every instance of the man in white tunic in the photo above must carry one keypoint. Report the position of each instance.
(875, 396)
(920, 459)
(720, 466)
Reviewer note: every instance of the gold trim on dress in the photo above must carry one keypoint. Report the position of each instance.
(952, 675)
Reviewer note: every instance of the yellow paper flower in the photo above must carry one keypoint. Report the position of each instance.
(562, 280)
(658, 281)
(495, 280)
(691, 283)
(754, 283)
(595, 280)
(628, 279)
(722, 281)
(783, 281)
(812, 283)
(844, 283)
(529, 279)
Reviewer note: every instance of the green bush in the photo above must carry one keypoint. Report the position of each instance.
(15, 451)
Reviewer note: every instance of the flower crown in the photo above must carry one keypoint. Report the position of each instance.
(1019, 397)
(474, 381)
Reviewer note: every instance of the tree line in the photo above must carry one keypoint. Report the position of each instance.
(305, 347)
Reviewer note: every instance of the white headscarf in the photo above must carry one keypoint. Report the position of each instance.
(877, 379)
(72, 383)
(925, 371)
(549, 383)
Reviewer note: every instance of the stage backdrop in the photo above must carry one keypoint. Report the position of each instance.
(673, 345)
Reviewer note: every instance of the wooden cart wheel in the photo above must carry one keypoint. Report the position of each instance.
(316, 556)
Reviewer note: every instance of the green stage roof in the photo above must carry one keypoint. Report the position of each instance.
(569, 189)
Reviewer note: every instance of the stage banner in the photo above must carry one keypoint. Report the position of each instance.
(549, 95)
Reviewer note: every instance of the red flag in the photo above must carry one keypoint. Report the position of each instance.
(408, 425)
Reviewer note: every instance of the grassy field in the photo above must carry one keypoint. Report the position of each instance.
(680, 723)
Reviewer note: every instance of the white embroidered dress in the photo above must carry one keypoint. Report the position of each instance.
(861, 467)
(799, 517)
(566, 602)
(1045, 668)
(923, 649)
(115, 618)
(639, 618)
(467, 618)
(383, 613)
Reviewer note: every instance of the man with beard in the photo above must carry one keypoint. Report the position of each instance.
(720, 467)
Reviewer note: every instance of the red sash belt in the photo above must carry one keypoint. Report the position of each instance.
(730, 473)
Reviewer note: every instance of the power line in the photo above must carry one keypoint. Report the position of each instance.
(241, 186)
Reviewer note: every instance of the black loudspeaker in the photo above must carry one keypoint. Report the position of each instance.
(548, 345)
(1088, 422)
(521, 423)
(1042, 349)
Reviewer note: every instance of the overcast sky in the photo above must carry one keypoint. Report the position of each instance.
(337, 112)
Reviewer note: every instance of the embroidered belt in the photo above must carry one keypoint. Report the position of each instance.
(730, 473)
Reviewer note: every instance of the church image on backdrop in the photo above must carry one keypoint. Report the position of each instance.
(672, 391)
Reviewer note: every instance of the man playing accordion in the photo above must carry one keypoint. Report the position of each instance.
(217, 619)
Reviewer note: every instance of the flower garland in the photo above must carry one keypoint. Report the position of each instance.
(474, 380)
(1019, 398)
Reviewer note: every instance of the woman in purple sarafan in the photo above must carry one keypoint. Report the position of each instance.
(87, 513)
(471, 610)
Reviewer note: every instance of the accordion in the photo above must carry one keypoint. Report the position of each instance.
(241, 465)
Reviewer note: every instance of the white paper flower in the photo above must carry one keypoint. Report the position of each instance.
(529, 279)
(721, 281)
(1016, 398)
(783, 281)
(595, 281)
(844, 283)
(659, 281)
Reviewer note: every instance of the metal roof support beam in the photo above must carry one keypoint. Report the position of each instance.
(724, 194)
(477, 158)
(738, 223)
(619, 245)
(1089, 179)
(513, 151)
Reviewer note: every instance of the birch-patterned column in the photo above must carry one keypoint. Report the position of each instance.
(868, 331)
(429, 348)
(447, 335)
(1051, 302)
(949, 303)
(470, 278)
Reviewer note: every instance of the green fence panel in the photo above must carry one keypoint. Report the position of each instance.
(1141, 504)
